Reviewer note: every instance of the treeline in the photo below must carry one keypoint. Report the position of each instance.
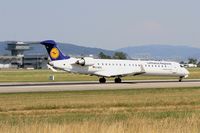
(122, 55)
(117, 55)
(191, 61)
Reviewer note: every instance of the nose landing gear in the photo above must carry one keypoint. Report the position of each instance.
(180, 79)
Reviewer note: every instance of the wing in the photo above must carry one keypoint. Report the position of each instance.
(115, 73)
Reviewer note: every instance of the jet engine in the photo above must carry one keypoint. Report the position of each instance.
(86, 61)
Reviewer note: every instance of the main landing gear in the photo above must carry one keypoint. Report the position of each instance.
(102, 80)
(118, 80)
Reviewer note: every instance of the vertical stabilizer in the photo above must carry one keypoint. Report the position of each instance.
(53, 51)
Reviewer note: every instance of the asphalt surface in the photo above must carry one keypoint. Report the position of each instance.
(93, 85)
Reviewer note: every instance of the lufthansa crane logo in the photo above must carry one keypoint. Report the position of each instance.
(54, 53)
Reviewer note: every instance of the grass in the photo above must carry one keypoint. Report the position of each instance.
(43, 76)
(111, 111)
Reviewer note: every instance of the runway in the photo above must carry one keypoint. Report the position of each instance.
(93, 85)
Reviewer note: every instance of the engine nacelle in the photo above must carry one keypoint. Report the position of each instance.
(86, 61)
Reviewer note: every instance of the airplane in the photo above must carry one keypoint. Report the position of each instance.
(106, 68)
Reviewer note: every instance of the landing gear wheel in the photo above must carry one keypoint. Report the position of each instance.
(180, 79)
(102, 80)
(118, 80)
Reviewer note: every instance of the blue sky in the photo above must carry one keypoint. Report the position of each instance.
(109, 24)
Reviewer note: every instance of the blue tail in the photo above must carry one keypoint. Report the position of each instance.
(53, 51)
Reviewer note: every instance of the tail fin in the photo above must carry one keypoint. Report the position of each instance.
(53, 51)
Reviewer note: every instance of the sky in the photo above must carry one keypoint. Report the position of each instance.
(108, 24)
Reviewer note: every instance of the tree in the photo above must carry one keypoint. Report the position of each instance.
(198, 65)
(192, 61)
(119, 55)
(103, 56)
(182, 62)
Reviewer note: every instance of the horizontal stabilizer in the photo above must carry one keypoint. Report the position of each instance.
(50, 67)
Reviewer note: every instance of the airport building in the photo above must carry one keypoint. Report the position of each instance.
(17, 58)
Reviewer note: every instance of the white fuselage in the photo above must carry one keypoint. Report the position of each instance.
(120, 68)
